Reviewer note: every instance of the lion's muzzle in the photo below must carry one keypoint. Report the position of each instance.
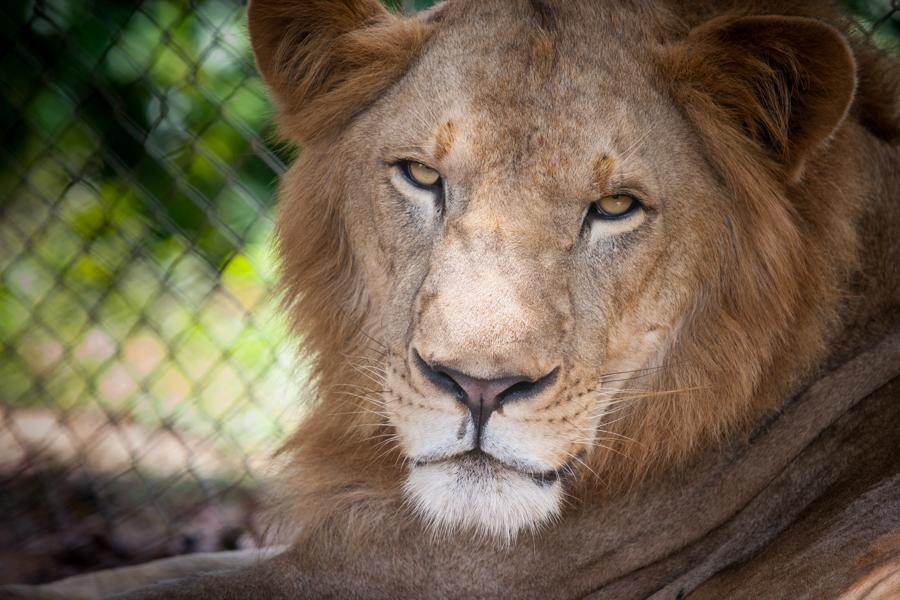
(483, 396)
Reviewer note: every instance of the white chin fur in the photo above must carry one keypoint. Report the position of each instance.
(481, 497)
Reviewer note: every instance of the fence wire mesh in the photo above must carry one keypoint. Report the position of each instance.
(144, 371)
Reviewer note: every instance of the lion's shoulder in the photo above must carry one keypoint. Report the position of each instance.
(846, 542)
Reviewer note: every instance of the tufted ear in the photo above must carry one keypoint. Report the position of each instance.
(325, 60)
(786, 83)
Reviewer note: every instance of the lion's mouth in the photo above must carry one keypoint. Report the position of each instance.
(478, 460)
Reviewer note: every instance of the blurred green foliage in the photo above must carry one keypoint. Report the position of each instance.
(879, 18)
(136, 192)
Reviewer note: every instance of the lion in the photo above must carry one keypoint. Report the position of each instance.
(601, 298)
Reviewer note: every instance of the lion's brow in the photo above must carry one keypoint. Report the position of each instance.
(444, 139)
(401, 152)
(603, 168)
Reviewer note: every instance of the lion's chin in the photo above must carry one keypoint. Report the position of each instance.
(481, 496)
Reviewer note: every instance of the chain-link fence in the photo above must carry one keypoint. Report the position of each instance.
(143, 367)
(144, 371)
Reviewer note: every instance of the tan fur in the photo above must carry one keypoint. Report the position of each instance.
(768, 298)
(444, 140)
(761, 137)
(325, 60)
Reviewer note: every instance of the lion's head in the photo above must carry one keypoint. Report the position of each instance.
(538, 245)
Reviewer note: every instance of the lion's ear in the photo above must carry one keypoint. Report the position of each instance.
(325, 60)
(786, 83)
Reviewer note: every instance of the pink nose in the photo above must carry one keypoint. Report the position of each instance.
(483, 396)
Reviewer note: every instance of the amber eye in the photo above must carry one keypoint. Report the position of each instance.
(421, 175)
(614, 207)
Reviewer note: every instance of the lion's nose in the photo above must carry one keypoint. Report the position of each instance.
(483, 396)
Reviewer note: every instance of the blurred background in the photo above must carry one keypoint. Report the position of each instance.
(145, 374)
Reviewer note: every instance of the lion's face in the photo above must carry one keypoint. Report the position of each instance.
(553, 260)
(529, 251)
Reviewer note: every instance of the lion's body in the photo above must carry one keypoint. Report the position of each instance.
(762, 266)
(809, 509)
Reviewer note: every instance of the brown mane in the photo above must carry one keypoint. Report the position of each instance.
(787, 265)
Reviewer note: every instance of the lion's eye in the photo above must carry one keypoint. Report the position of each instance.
(614, 207)
(421, 175)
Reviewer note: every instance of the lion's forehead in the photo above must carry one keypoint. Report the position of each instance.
(494, 116)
